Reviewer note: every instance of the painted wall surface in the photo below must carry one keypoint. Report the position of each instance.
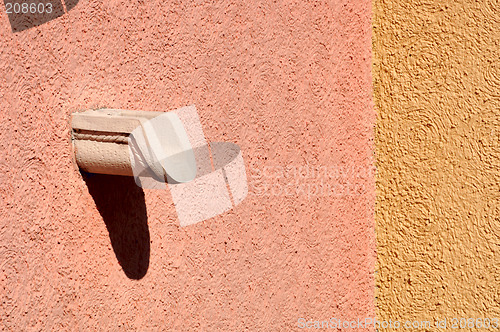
(437, 96)
(290, 83)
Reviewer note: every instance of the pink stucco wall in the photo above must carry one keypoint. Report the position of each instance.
(288, 81)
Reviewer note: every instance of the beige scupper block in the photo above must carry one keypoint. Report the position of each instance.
(100, 139)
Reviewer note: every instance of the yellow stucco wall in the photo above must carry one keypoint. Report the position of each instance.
(437, 95)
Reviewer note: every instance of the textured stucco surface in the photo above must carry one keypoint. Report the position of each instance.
(288, 81)
(437, 96)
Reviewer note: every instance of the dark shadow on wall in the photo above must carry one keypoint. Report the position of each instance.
(25, 14)
(70, 4)
(123, 208)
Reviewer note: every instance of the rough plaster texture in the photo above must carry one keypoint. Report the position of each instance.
(288, 81)
(437, 95)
